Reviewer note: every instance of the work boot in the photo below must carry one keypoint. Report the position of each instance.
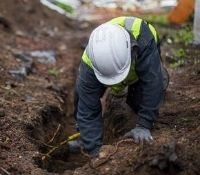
(75, 145)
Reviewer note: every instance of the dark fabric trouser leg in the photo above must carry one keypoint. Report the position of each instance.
(87, 109)
(76, 98)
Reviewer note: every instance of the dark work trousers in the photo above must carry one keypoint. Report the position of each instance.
(88, 109)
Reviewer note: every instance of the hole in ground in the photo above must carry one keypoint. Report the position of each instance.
(53, 128)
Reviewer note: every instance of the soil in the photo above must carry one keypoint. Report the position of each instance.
(36, 111)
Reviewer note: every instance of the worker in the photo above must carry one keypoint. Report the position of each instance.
(123, 52)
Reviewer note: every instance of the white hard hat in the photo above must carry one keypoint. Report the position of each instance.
(109, 49)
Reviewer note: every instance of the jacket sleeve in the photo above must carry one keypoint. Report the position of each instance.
(88, 107)
(148, 68)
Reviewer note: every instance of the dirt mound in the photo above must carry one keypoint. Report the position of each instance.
(164, 156)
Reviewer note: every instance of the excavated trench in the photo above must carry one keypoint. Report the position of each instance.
(54, 130)
(55, 125)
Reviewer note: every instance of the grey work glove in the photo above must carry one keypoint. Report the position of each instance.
(139, 134)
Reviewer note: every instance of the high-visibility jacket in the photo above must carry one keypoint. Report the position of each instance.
(132, 25)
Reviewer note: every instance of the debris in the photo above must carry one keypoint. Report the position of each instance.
(21, 72)
(62, 47)
(29, 99)
(26, 67)
(81, 11)
(23, 57)
(20, 33)
(166, 158)
(5, 171)
(11, 84)
(142, 5)
(181, 12)
(168, 4)
(169, 41)
(106, 3)
(46, 57)
(63, 5)
(145, 5)
(55, 134)
(66, 7)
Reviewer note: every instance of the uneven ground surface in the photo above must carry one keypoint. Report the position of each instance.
(36, 112)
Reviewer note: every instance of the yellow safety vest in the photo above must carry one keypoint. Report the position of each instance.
(132, 25)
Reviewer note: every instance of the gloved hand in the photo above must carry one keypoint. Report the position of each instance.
(139, 134)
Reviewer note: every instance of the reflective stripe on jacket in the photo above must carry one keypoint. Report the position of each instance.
(132, 25)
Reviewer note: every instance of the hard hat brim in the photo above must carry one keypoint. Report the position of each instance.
(113, 80)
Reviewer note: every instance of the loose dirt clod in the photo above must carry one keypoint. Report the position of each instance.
(167, 157)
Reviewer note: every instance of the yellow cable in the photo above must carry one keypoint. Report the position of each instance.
(72, 137)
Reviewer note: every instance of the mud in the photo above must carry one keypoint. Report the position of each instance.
(36, 113)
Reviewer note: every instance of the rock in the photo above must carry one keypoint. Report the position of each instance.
(11, 84)
(23, 57)
(22, 71)
(19, 33)
(46, 57)
(25, 68)
(166, 158)
(62, 47)
(107, 169)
